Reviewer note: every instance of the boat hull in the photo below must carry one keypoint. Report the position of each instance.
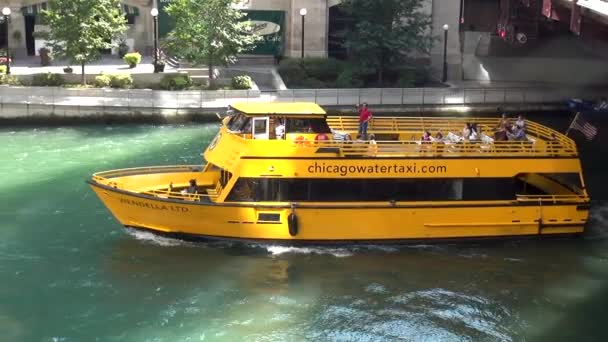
(342, 222)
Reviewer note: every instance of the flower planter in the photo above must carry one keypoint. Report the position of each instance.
(159, 67)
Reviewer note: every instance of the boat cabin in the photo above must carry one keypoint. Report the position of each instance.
(288, 121)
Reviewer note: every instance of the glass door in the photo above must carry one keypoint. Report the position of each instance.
(261, 128)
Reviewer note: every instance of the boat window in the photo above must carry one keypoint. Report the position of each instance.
(571, 181)
(307, 125)
(238, 123)
(225, 177)
(269, 217)
(328, 190)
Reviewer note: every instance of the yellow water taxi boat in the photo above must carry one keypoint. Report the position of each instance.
(287, 172)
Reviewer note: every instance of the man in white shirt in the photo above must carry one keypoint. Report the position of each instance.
(280, 129)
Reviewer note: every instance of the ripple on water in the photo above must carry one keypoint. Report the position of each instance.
(475, 315)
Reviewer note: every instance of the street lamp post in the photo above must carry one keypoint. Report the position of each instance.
(6, 12)
(303, 12)
(154, 13)
(444, 76)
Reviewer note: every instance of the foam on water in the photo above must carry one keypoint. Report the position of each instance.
(156, 239)
(278, 250)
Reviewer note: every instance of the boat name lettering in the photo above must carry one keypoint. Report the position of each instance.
(155, 206)
(345, 170)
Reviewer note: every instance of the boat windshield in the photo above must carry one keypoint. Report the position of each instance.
(307, 125)
(238, 123)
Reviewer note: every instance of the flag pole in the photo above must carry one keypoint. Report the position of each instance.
(571, 122)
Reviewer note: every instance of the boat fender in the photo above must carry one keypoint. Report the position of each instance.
(292, 223)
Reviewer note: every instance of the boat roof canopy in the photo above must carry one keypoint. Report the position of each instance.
(299, 109)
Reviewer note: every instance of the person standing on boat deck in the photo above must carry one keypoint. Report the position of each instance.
(280, 129)
(364, 116)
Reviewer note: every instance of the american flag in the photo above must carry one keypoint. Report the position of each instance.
(581, 125)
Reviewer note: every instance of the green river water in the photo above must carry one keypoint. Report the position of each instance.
(70, 272)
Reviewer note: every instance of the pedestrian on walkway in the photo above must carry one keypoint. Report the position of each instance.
(364, 116)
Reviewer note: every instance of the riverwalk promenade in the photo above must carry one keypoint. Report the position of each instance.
(20, 102)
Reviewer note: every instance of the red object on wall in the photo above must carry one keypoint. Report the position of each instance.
(575, 18)
(547, 5)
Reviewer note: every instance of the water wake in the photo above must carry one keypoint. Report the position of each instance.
(155, 239)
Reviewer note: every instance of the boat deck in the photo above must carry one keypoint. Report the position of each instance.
(541, 141)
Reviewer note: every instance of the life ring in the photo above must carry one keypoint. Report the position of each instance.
(292, 224)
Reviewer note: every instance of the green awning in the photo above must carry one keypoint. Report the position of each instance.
(33, 10)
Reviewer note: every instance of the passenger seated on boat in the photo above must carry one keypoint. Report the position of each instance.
(191, 189)
(321, 137)
(338, 135)
(486, 139)
(503, 124)
(602, 104)
(466, 130)
(474, 136)
(438, 137)
(453, 138)
(520, 122)
(372, 139)
(519, 134)
(426, 137)
(553, 145)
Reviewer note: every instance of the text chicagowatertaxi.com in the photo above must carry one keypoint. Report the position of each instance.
(345, 170)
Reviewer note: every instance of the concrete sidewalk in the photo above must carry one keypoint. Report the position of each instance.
(108, 64)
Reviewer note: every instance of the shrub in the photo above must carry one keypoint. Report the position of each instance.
(241, 82)
(175, 82)
(9, 79)
(325, 69)
(406, 78)
(122, 81)
(102, 81)
(310, 83)
(349, 78)
(2, 69)
(48, 80)
(132, 59)
(291, 71)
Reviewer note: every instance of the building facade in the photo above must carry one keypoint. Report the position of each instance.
(279, 21)
(25, 22)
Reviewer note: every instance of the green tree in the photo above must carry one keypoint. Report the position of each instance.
(210, 32)
(80, 29)
(385, 32)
